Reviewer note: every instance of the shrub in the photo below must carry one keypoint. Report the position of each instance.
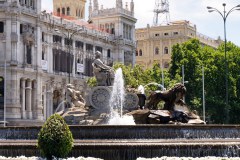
(55, 138)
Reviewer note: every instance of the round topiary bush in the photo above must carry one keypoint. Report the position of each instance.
(55, 138)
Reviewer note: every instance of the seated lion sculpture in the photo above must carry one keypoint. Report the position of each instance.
(170, 97)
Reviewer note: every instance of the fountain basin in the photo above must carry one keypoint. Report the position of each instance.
(132, 141)
(131, 149)
(133, 132)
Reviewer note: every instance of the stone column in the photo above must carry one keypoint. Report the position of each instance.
(33, 56)
(44, 102)
(23, 103)
(34, 99)
(49, 101)
(39, 48)
(84, 56)
(14, 37)
(74, 60)
(8, 37)
(28, 99)
(39, 95)
(24, 54)
(49, 55)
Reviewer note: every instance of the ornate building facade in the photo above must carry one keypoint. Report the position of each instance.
(154, 44)
(44, 52)
(118, 21)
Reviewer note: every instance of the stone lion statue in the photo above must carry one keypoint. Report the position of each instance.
(171, 97)
(74, 97)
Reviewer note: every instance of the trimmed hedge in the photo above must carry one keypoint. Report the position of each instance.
(55, 138)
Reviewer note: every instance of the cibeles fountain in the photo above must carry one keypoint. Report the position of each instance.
(111, 103)
(116, 123)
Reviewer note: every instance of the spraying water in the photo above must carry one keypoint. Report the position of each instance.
(117, 101)
(118, 93)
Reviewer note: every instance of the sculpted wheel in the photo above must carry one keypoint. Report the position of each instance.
(131, 101)
(99, 97)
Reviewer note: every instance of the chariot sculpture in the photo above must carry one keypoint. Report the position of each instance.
(100, 95)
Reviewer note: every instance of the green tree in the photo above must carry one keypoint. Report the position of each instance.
(193, 56)
(189, 55)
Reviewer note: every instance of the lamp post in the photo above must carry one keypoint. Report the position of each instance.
(183, 74)
(5, 91)
(203, 94)
(224, 15)
(69, 37)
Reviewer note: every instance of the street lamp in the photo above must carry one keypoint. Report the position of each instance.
(5, 90)
(203, 94)
(224, 15)
(69, 37)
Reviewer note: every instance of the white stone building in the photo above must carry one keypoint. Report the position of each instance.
(44, 52)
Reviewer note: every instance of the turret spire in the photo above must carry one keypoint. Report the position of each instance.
(90, 9)
(132, 7)
(95, 4)
(119, 4)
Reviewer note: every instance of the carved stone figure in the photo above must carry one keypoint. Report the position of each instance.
(73, 97)
(103, 73)
(171, 97)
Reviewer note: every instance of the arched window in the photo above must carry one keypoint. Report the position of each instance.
(136, 53)
(156, 51)
(68, 11)
(101, 27)
(58, 11)
(63, 11)
(112, 28)
(166, 50)
(140, 52)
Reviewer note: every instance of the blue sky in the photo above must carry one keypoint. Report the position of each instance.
(195, 11)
